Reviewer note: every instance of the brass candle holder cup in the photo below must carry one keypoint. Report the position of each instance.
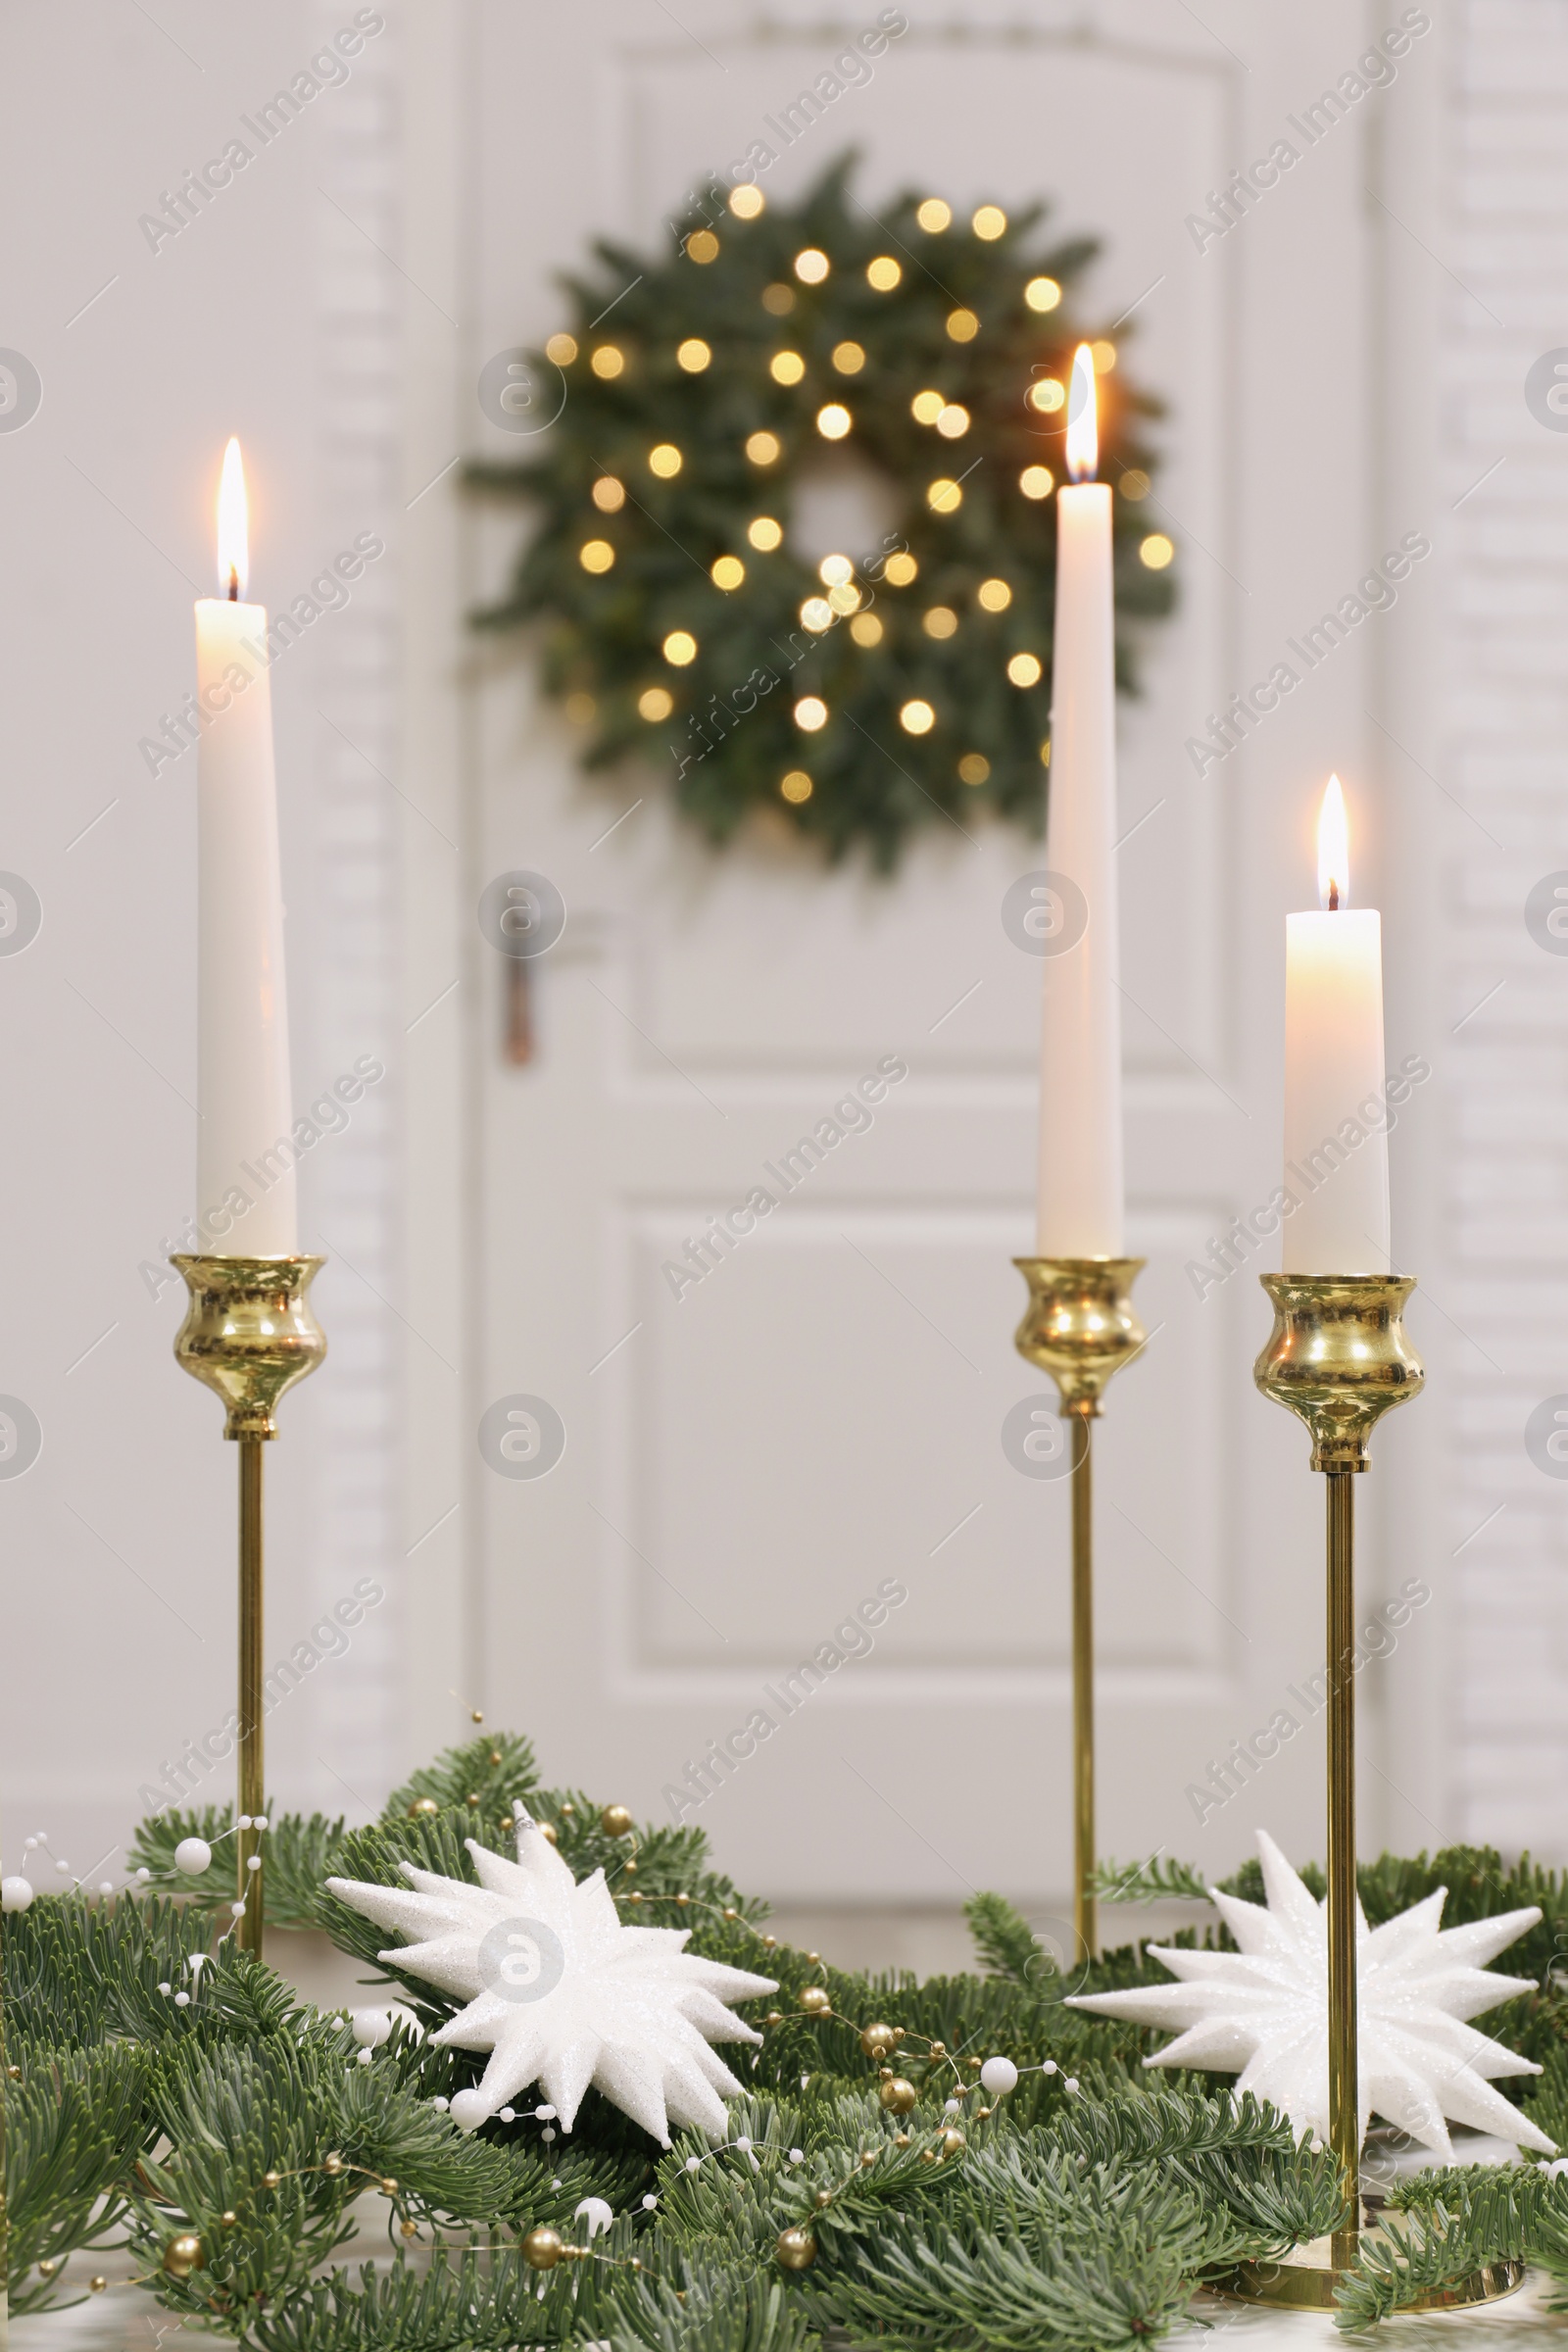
(249, 1334)
(1080, 1327)
(1339, 1357)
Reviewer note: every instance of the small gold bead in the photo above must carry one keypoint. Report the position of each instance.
(797, 2249)
(471, 1799)
(476, 1715)
(422, 1805)
(939, 2050)
(389, 2188)
(635, 1895)
(898, 2095)
(730, 1911)
(901, 2139)
(15, 2072)
(774, 2017)
(230, 2220)
(409, 2227)
(981, 2113)
(824, 2197)
(636, 2263)
(542, 2249)
(928, 2155)
(815, 1999)
(815, 1959)
(495, 1755)
(547, 1829)
(615, 1822)
(96, 2283)
(769, 1942)
(270, 2179)
(683, 1899)
(868, 2155)
(183, 2254)
(879, 2041)
(47, 2269)
(332, 2164)
(953, 2143)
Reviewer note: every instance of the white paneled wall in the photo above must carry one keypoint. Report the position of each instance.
(1506, 1165)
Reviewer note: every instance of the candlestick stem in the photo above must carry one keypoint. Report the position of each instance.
(1080, 1327)
(1085, 1918)
(249, 1334)
(1344, 2107)
(252, 1762)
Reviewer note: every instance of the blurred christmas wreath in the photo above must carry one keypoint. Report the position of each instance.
(796, 533)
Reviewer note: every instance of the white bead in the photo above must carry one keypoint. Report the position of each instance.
(244, 1822)
(950, 2107)
(27, 1844)
(1049, 2068)
(236, 1910)
(371, 2027)
(546, 2115)
(440, 2105)
(509, 2115)
(182, 2000)
(600, 2215)
(166, 1990)
(797, 2155)
(743, 2142)
(365, 2057)
(15, 1894)
(694, 2163)
(999, 2075)
(548, 2134)
(650, 2203)
(193, 1854)
(1070, 2084)
(253, 1861)
(64, 1868)
(143, 1875)
(260, 1822)
(469, 2109)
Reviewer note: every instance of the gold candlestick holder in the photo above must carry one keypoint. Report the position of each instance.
(249, 1334)
(1339, 1357)
(1080, 1327)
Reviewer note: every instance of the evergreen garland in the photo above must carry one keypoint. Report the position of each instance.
(1080, 2211)
(683, 621)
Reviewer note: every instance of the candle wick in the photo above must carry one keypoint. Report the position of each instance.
(233, 584)
(1334, 895)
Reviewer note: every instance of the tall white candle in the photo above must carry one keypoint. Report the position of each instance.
(1081, 1186)
(1335, 1110)
(245, 1203)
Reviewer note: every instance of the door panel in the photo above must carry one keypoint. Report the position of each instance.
(823, 1411)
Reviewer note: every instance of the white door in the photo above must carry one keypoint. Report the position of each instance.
(815, 1428)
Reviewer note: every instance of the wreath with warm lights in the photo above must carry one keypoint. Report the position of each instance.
(857, 691)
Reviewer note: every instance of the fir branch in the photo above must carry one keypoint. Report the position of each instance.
(74, 2124)
(1005, 1941)
(1154, 1881)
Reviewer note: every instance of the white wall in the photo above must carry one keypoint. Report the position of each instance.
(272, 315)
(1504, 755)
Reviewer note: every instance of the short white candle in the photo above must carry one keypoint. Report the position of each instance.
(1336, 1112)
(1081, 1184)
(245, 1200)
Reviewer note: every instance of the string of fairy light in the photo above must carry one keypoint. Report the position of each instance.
(847, 591)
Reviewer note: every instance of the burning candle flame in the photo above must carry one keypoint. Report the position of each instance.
(234, 536)
(1083, 422)
(1333, 849)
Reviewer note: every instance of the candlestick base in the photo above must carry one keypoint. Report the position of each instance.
(249, 1334)
(1308, 2277)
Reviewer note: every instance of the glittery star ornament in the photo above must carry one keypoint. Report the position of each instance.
(1262, 2011)
(561, 1993)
